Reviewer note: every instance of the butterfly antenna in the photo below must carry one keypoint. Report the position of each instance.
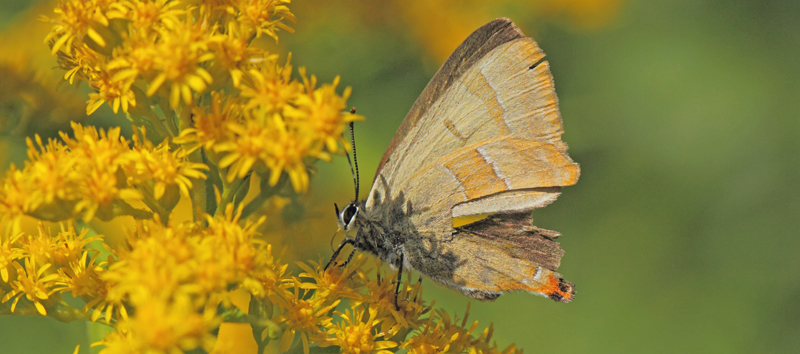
(355, 159)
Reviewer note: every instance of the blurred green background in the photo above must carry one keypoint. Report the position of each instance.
(683, 116)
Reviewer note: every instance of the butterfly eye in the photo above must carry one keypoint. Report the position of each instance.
(348, 214)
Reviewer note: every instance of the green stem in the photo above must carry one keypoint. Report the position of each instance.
(154, 205)
(169, 116)
(199, 193)
(267, 192)
(153, 123)
(229, 191)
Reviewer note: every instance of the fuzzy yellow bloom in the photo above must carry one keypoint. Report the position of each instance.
(380, 297)
(169, 326)
(81, 277)
(336, 282)
(157, 168)
(357, 334)
(32, 283)
(8, 254)
(212, 115)
(307, 317)
(210, 122)
(77, 19)
(96, 173)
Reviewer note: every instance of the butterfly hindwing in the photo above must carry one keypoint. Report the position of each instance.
(500, 253)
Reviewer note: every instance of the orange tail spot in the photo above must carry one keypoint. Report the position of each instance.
(559, 289)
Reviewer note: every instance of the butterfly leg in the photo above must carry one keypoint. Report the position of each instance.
(339, 249)
(352, 253)
(399, 281)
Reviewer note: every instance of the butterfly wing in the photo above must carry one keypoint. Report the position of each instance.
(501, 253)
(484, 136)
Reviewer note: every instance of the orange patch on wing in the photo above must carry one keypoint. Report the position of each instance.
(475, 174)
(483, 90)
(552, 286)
(558, 289)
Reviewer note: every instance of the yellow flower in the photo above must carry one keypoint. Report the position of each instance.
(40, 248)
(168, 285)
(179, 53)
(233, 51)
(305, 316)
(94, 178)
(145, 15)
(70, 244)
(164, 326)
(77, 19)
(81, 277)
(357, 334)
(270, 88)
(109, 303)
(264, 16)
(118, 342)
(336, 282)
(33, 284)
(380, 297)
(441, 334)
(209, 126)
(161, 168)
(8, 254)
(116, 92)
(320, 112)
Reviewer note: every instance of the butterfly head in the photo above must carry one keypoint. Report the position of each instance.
(347, 216)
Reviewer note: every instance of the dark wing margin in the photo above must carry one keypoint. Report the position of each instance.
(516, 234)
(470, 51)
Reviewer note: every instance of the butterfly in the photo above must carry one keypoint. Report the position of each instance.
(482, 143)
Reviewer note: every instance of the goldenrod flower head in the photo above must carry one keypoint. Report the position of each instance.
(264, 16)
(336, 282)
(96, 173)
(159, 167)
(358, 333)
(319, 112)
(82, 277)
(169, 326)
(116, 92)
(146, 14)
(8, 254)
(119, 342)
(209, 126)
(270, 87)
(212, 116)
(179, 52)
(39, 248)
(77, 19)
(305, 316)
(287, 125)
(71, 178)
(233, 51)
(34, 284)
(70, 244)
(380, 297)
(35, 267)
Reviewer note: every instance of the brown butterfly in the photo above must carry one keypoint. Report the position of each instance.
(483, 138)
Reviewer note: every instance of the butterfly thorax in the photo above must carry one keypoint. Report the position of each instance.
(383, 230)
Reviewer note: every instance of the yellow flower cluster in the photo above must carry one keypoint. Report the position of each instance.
(35, 267)
(96, 174)
(176, 278)
(167, 289)
(211, 115)
(190, 71)
(277, 124)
